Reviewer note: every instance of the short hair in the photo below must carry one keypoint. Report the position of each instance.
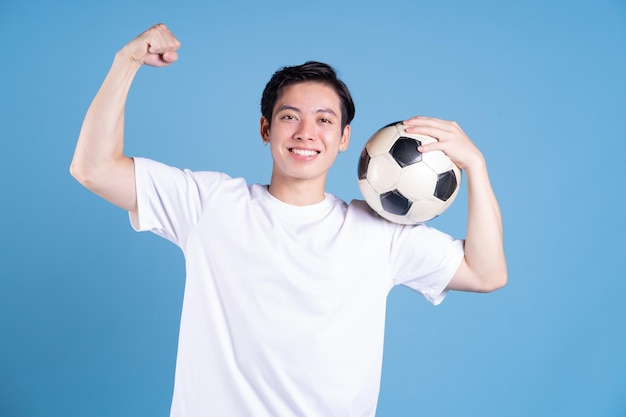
(309, 71)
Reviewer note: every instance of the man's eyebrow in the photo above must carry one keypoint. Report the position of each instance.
(327, 110)
(288, 107)
(296, 109)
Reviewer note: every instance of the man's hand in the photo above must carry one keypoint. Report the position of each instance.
(156, 47)
(451, 140)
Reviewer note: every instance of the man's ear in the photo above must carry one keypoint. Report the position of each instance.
(345, 138)
(265, 129)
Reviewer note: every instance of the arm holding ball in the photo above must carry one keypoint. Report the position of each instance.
(483, 268)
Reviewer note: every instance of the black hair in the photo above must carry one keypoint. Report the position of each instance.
(309, 71)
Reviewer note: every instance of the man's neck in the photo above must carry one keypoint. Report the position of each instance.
(298, 192)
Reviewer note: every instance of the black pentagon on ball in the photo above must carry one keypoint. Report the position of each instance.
(446, 185)
(395, 203)
(364, 162)
(405, 152)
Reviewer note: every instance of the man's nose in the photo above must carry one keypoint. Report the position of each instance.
(305, 130)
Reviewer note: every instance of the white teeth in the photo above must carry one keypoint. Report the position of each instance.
(304, 152)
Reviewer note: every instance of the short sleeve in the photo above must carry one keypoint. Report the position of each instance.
(170, 200)
(425, 260)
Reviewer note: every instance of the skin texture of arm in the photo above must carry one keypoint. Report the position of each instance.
(483, 268)
(99, 162)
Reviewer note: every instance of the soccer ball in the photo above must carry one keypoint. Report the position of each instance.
(402, 184)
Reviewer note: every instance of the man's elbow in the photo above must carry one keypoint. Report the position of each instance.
(80, 174)
(94, 174)
(76, 172)
(495, 281)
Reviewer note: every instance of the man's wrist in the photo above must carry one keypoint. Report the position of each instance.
(126, 57)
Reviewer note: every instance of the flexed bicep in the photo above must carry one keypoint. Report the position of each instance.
(99, 162)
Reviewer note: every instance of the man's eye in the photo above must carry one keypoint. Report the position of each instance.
(325, 120)
(288, 117)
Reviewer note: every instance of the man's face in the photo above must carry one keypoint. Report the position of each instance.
(305, 134)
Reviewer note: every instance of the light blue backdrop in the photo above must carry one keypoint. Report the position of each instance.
(89, 309)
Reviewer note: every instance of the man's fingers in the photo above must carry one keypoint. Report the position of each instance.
(160, 60)
(437, 128)
(161, 46)
(170, 57)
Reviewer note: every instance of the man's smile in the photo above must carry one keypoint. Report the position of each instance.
(304, 152)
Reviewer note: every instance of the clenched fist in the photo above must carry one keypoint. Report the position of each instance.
(156, 47)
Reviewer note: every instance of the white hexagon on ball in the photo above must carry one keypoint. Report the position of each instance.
(425, 210)
(417, 190)
(383, 173)
(385, 139)
(438, 161)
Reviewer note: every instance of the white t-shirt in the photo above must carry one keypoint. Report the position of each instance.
(284, 306)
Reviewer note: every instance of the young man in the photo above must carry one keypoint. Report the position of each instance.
(288, 318)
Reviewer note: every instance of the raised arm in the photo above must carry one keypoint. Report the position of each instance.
(483, 268)
(99, 162)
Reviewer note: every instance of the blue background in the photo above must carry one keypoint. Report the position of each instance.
(89, 309)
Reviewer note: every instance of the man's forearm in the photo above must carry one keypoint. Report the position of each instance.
(484, 249)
